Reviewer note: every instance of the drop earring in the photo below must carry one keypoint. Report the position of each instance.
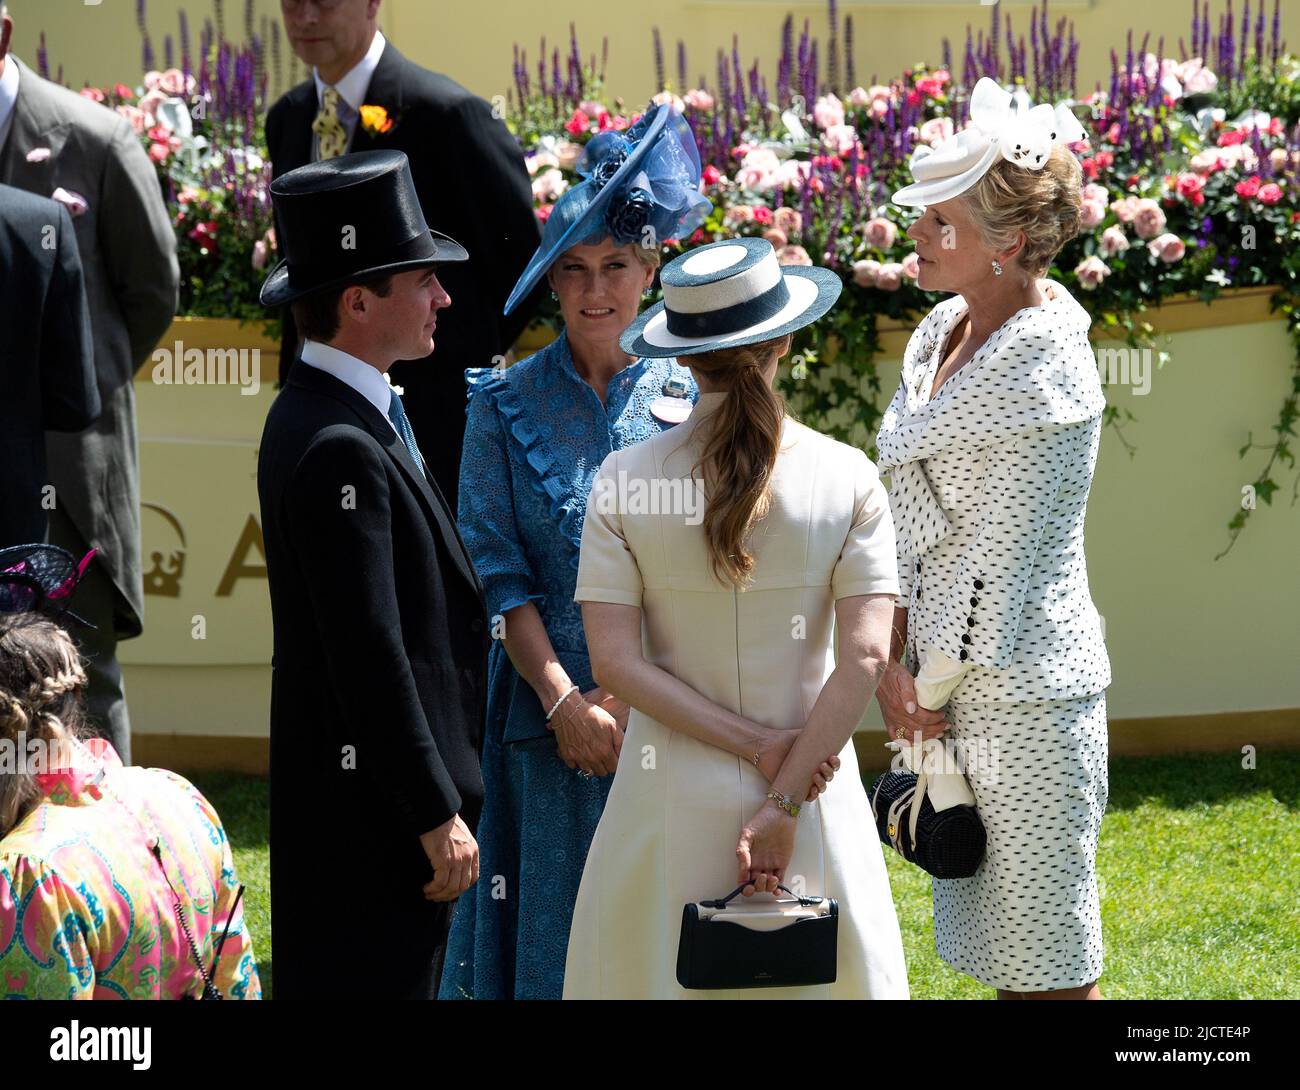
(997, 267)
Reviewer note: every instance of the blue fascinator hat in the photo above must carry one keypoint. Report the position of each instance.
(645, 179)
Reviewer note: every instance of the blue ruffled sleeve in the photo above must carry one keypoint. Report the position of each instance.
(485, 511)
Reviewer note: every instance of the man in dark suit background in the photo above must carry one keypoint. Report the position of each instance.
(47, 369)
(470, 177)
(378, 677)
(62, 145)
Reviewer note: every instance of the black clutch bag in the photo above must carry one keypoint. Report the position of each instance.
(947, 844)
(770, 944)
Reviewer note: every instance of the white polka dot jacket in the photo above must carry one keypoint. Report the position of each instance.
(989, 488)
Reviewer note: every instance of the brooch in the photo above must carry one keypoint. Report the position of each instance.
(673, 407)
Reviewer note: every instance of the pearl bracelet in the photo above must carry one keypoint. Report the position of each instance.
(571, 689)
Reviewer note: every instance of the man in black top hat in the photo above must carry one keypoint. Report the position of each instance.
(380, 648)
(470, 176)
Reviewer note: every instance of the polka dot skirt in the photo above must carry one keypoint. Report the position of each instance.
(1029, 919)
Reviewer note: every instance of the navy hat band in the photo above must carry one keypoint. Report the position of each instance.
(716, 323)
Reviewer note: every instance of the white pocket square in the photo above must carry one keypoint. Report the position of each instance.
(75, 203)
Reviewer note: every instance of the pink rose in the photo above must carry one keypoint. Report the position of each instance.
(936, 130)
(880, 233)
(549, 184)
(1149, 219)
(776, 237)
(1270, 193)
(711, 176)
(149, 103)
(1277, 159)
(793, 255)
(1169, 248)
(1206, 162)
(865, 273)
(1113, 241)
(842, 138)
(859, 97)
(1195, 77)
(172, 82)
(762, 214)
(1125, 208)
(566, 154)
(911, 266)
(828, 112)
(1190, 185)
(1090, 272)
(151, 79)
(159, 152)
(699, 100)
(1247, 187)
(590, 108)
(739, 214)
(1094, 192)
(1091, 213)
(789, 220)
(578, 123)
(890, 276)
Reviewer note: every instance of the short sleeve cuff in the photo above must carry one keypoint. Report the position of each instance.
(607, 594)
(504, 592)
(881, 585)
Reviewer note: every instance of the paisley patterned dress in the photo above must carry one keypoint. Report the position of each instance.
(535, 436)
(89, 881)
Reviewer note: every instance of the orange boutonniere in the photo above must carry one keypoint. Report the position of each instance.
(375, 120)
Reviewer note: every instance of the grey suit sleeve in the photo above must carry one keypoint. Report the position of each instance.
(69, 392)
(138, 244)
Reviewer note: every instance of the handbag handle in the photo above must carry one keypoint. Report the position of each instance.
(722, 901)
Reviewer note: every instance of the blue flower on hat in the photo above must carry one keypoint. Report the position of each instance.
(627, 219)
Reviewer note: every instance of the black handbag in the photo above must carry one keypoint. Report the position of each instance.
(947, 844)
(771, 944)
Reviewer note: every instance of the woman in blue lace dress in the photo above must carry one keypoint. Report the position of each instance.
(536, 434)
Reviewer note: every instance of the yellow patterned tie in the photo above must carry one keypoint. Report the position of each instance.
(329, 130)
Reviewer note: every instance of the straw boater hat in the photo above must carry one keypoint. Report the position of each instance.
(728, 294)
(1003, 125)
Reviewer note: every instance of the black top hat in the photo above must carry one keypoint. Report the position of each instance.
(348, 217)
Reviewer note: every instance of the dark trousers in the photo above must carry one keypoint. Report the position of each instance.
(401, 959)
(94, 600)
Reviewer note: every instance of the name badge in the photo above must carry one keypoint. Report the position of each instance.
(674, 406)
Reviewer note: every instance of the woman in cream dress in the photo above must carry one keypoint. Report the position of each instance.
(715, 626)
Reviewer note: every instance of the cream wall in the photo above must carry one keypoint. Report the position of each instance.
(473, 42)
(1187, 635)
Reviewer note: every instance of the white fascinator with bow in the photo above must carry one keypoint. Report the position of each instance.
(1002, 124)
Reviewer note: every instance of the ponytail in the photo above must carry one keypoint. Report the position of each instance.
(739, 453)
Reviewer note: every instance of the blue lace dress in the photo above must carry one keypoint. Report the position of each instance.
(535, 436)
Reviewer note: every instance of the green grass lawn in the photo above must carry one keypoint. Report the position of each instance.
(1199, 865)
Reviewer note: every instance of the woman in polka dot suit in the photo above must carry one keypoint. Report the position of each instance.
(990, 444)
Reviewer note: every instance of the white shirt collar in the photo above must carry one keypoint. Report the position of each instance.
(353, 86)
(8, 96)
(358, 374)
